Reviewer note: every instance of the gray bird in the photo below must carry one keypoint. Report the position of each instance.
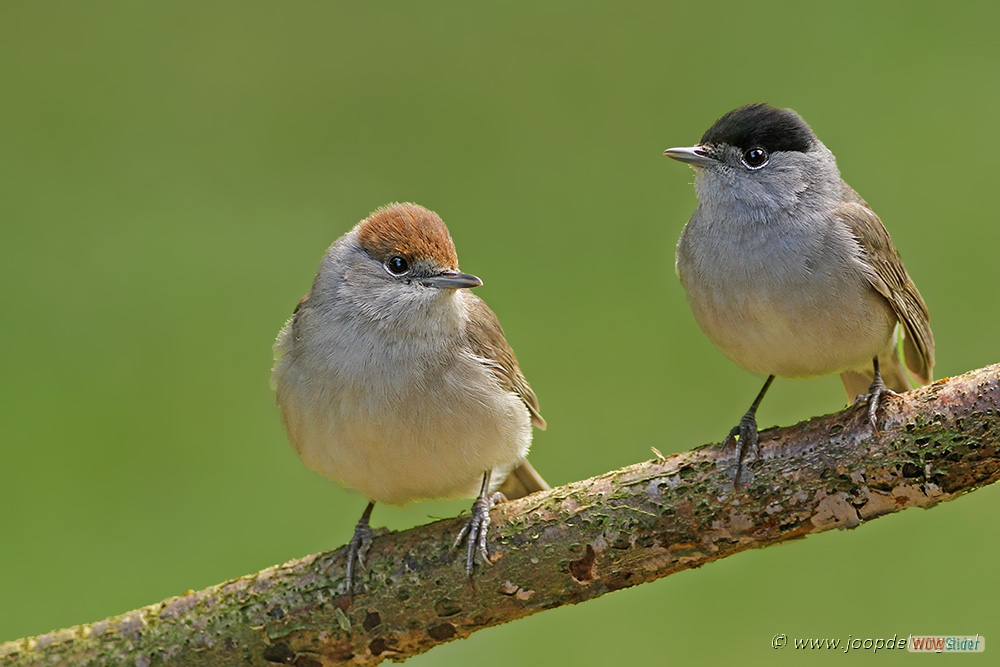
(789, 271)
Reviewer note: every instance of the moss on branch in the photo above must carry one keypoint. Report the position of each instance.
(566, 545)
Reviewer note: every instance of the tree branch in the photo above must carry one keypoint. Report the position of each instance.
(566, 545)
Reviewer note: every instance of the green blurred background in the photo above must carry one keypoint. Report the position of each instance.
(170, 176)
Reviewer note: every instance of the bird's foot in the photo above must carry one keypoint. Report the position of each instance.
(357, 548)
(746, 438)
(474, 531)
(874, 397)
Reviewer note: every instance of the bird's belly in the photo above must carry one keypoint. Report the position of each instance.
(794, 330)
(399, 446)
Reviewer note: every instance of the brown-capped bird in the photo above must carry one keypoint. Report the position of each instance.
(394, 379)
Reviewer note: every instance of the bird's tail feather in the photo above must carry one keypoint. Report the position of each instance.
(522, 481)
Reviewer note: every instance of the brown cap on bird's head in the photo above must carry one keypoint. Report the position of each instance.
(408, 230)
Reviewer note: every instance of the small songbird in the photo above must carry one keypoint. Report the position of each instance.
(789, 271)
(396, 380)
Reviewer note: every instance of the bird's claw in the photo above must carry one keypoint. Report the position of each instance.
(474, 531)
(357, 550)
(874, 397)
(746, 438)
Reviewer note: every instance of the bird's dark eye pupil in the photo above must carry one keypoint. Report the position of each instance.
(397, 265)
(755, 157)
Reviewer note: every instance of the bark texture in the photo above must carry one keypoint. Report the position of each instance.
(566, 545)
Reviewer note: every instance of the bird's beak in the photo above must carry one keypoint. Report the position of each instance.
(694, 155)
(452, 280)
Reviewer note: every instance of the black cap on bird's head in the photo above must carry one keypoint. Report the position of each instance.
(756, 129)
(761, 125)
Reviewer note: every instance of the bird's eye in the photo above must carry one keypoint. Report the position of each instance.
(755, 157)
(397, 265)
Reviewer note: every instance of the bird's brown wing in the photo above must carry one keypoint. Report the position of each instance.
(489, 344)
(886, 273)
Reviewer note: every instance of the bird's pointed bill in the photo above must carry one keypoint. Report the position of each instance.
(452, 280)
(694, 155)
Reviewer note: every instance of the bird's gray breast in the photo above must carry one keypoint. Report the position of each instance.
(784, 295)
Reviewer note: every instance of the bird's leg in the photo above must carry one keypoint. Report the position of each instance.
(875, 394)
(746, 432)
(359, 545)
(474, 532)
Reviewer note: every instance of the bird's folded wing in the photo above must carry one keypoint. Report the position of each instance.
(490, 345)
(885, 271)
